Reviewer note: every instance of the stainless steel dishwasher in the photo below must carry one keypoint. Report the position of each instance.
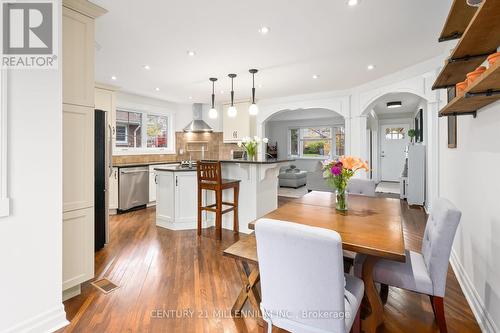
(133, 186)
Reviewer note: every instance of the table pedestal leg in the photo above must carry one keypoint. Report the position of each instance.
(376, 315)
(249, 291)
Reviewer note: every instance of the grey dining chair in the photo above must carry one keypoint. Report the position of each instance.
(424, 272)
(359, 186)
(303, 285)
(365, 187)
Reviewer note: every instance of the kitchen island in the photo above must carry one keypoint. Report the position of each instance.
(177, 194)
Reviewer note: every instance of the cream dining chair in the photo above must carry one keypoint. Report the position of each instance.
(304, 288)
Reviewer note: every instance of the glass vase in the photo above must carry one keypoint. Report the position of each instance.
(341, 197)
(251, 156)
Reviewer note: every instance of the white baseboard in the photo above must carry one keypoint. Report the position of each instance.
(49, 321)
(482, 315)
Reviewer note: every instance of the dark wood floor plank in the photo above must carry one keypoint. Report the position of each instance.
(159, 270)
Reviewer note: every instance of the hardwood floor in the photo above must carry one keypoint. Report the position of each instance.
(173, 281)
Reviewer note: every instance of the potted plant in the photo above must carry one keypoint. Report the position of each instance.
(412, 133)
(338, 172)
(250, 145)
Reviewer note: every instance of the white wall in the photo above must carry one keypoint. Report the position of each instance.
(469, 177)
(31, 238)
(277, 131)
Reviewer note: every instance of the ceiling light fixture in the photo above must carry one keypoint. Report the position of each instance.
(352, 3)
(253, 110)
(212, 113)
(370, 67)
(146, 67)
(190, 97)
(393, 105)
(264, 30)
(113, 78)
(157, 89)
(315, 76)
(231, 111)
(191, 53)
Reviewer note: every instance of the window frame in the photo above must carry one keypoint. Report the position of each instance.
(144, 150)
(300, 150)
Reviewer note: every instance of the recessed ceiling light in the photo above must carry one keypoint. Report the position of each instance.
(190, 97)
(264, 30)
(393, 105)
(315, 76)
(157, 89)
(146, 67)
(191, 53)
(113, 78)
(353, 2)
(370, 67)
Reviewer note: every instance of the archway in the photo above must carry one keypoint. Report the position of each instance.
(387, 142)
(308, 135)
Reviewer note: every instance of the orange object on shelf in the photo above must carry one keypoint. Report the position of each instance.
(493, 58)
(460, 87)
(472, 76)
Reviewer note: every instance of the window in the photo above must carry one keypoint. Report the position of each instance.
(316, 142)
(138, 132)
(397, 133)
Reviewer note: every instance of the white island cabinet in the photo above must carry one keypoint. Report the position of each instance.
(176, 197)
(176, 201)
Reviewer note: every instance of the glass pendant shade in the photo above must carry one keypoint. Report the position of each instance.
(212, 113)
(232, 112)
(253, 109)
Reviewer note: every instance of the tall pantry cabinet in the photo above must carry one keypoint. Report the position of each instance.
(78, 142)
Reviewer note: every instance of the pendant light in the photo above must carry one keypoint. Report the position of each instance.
(212, 113)
(253, 109)
(232, 112)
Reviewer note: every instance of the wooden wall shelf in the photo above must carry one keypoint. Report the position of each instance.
(457, 21)
(480, 39)
(485, 90)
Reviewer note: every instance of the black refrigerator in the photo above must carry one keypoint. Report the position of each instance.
(102, 171)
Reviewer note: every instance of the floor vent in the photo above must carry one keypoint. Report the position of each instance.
(104, 285)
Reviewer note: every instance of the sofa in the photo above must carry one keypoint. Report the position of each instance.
(291, 176)
(315, 180)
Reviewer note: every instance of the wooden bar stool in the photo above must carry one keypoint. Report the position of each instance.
(210, 178)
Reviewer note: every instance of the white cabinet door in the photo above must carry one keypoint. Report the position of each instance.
(165, 196)
(78, 247)
(152, 183)
(185, 196)
(113, 189)
(78, 157)
(78, 58)
(235, 128)
(105, 99)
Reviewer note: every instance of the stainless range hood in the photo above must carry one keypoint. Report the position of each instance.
(198, 125)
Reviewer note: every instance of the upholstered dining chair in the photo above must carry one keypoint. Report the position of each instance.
(424, 272)
(359, 186)
(303, 285)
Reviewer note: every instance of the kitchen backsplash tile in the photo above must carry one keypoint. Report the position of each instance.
(191, 144)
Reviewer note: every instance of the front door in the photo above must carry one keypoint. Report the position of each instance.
(393, 142)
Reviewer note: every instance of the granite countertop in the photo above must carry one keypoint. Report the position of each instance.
(268, 161)
(176, 168)
(138, 164)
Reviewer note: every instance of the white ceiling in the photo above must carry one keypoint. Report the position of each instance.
(301, 114)
(324, 37)
(409, 102)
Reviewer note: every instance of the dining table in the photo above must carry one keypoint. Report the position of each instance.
(371, 226)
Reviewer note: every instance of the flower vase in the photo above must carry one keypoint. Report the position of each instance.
(341, 200)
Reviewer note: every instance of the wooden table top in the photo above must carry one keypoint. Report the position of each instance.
(372, 226)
